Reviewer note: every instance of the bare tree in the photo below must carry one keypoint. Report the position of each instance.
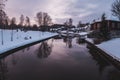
(39, 18)
(2, 5)
(116, 9)
(2, 13)
(21, 20)
(70, 22)
(12, 24)
(27, 23)
(13, 21)
(43, 19)
(7, 21)
(49, 20)
(45, 15)
(46, 19)
(2, 16)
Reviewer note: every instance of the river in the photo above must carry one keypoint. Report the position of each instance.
(57, 59)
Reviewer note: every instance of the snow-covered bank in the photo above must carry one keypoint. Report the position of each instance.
(20, 38)
(112, 48)
(89, 40)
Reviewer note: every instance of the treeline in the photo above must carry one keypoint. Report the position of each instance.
(24, 28)
(42, 19)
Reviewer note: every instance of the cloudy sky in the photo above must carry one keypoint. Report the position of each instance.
(60, 10)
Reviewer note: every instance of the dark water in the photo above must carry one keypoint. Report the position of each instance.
(57, 59)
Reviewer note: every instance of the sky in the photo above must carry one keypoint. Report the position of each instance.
(60, 10)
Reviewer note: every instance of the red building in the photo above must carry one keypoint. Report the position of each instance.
(111, 24)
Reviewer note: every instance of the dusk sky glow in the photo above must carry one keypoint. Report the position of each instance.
(60, 10)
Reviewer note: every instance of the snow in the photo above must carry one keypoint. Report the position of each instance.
(89, 40)
(111, 47)
(113, 18)
(20, 38)
(65, 31)
(83, 33)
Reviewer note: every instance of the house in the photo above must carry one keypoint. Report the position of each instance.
(111, 24)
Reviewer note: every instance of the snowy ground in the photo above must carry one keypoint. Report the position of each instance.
(89, 40)
(112, 47)
(20, 38)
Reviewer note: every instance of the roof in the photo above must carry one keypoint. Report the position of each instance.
(111, 18)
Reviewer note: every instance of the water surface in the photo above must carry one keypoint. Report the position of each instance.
(57, 59)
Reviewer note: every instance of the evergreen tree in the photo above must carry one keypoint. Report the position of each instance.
(104, 32)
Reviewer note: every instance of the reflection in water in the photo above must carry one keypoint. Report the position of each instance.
(100, 61)
(68, 41)
(112, 73)
(23, 50)
(28, 48)
(44, 50)
(79, 40)
(14, 59)
(3, 70)
(63, 65)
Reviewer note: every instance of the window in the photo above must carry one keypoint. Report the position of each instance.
(113, 25)
(98, 25)
(118, 25)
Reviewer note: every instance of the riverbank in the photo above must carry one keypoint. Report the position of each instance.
(108, 49)
(21, 38)
(57, 61)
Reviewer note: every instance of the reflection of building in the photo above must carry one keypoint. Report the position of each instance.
(111, 24)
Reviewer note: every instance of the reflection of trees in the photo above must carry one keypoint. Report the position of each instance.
(26, 49)
(114, 75)
(68, 41)
(13, 59)
(44, 50)
(100, 61)
(3, 69)
(65, 39)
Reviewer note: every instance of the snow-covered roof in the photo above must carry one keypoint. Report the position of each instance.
(108, 18)
(83, 33)
(113, 18)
